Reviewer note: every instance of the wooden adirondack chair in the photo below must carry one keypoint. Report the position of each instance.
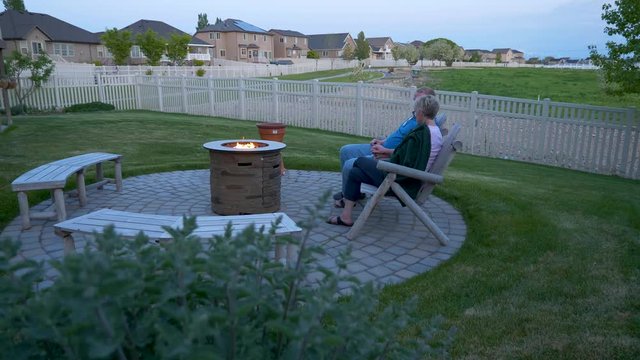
(429, 180)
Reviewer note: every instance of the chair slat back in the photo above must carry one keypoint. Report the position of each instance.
(443, 159)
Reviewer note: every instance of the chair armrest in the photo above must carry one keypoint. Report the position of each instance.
(409, 172)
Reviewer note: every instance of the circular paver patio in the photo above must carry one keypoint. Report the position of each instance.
(393, 246)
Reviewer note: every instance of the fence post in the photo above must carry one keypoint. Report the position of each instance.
(276, 107)
(243, 100)
(315, 104)
(100, 89)
(212, 108)
(160, 100)
(183, 87)
(359, 109)
(473, 106)
(136, 87)
(56, 90)
(627, 138)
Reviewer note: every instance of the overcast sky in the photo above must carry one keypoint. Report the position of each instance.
(538, 28)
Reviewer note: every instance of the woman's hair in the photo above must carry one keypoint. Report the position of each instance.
(427, 105)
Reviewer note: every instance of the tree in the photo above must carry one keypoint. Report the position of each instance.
(620, 68)
(14, 5)
(40, 70)
(443, 50)
(363, 50)
(348, 53)
(202, 22)
(118, 43)
(533, 60)
(178, 48)
(312, 54)
(396, 52)
(498, 58)
(475, 57)
(411, 54)
(152, 45)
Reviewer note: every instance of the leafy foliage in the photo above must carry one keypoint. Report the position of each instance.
(178, 48)
(348, 53)
(192, 298)
(475, 57)
(410, 53)
(396, 52)
(118, 43)
(92, 106)
(152, 45)
(41, 68)
(14, 5)
(363, 50)
(312, 54)
(200, 72)
(498, 58)
(202, 21)
(620, 67)
(443, 50)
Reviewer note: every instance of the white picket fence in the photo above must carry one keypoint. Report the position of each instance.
(588, 138)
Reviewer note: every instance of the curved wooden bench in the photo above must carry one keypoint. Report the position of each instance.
(129, 225)
(53, 176)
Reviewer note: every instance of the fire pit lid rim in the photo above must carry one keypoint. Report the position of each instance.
(219, 145)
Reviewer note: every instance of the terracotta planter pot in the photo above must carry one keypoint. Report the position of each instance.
(271, 131)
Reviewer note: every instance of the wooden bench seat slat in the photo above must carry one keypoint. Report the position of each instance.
(85, 160)
(42, 177)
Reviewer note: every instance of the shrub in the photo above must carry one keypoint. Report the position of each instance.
(97, 63)
(92, 106)
(20, 109)
(148, 72)
(200, 72)
(191, 298)
(198, 62)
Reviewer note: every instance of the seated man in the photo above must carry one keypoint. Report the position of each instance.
(417, 150)
(380, 148)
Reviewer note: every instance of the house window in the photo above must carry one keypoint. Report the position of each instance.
(244, 36)
(264, 38)
(223, 53)
(36, 47)
(305, 41)
(281, 40)
(255, 37)
(288, 52)
(295, 40)
(325, 53)
(243, 52)
(285, 39)
(211, 36)
(24, 48)
(103, 52)
(67, 50)
(135, 52)
(218, 36)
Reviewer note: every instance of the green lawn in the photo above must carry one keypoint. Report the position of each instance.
(314, 75)
(550, 267)
(564, 85)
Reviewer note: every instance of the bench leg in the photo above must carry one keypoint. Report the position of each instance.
(58, 196)
(293, 249)
(82, 189)
(99, 175)
(23, 203)
(118, 174)
(69, 243)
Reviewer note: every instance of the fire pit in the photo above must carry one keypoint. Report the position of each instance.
(245, 176)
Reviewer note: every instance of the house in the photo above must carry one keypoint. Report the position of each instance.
(239, 41)
(198, 49)
(381, 47)
(34, 33)
(331, 45)
(417, 43)
(289, 44)
(485, 55)
(509, 55)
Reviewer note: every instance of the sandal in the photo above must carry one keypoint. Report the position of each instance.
(339, 200)
(338, 221)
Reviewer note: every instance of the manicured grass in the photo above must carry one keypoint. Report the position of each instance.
(564, 85)
(366, 76)
(314, 75)
(550, 267)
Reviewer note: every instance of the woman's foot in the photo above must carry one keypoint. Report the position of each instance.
(336, 220)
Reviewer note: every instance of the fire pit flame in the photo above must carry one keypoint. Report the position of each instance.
(248, 145)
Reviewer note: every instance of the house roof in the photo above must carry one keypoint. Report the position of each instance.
(163, 30)
(233, 25)
(378, 43)
(502, 51)
(327, 41)
(18, 24)
(417, 43)
(287, 33)
(477, 50)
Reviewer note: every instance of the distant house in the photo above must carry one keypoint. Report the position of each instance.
(289, 44)
(485, 55)
(509, 55)
(331, 45)
(417, 43)
(35, 33)
(239, 41)
(381, 47)
(198, 49)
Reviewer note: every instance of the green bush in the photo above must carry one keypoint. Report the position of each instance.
(19, 109)
(198, 62)
(191, 298)
(148, 72)
(200, 72)
(92, 106)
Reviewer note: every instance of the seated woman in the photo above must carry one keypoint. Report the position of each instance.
(417, 150)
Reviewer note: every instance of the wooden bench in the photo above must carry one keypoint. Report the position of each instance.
(53, 176)
(129, 225)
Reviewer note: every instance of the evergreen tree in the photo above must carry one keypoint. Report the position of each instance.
(202, 21)
(14, 5)
(363, 50)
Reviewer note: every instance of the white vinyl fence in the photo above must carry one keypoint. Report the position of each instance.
(589, 138)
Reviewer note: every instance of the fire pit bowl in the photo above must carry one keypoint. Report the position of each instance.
(245, 176)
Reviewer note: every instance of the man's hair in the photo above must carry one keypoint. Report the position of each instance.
(424, 91)
(428, 106)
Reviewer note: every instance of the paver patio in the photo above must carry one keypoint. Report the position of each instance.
(393, 247)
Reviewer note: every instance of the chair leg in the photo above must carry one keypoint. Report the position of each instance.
(420, 214)
(118, 174)
(23, 204)
(371, 204)
(69, 242)
(82, 188)
(58, 196)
